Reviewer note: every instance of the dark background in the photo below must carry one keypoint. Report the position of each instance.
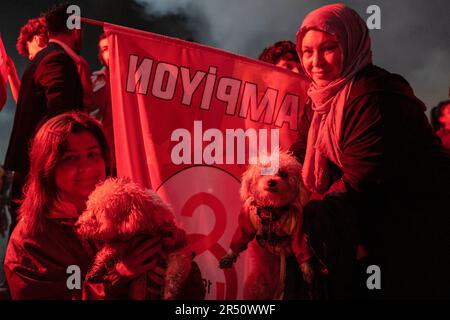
(413, 40)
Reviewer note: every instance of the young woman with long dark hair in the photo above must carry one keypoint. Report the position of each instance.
(69, 156)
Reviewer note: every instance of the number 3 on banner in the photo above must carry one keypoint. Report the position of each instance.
(201, 243)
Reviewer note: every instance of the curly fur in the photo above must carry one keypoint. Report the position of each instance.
(261, 283)
(119, 211)
(105, 258)
(289, 191)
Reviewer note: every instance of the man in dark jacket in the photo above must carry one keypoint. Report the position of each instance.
(50, 86)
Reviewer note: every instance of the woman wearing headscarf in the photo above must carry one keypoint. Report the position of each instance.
(378, 174)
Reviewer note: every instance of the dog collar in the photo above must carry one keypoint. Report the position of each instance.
(272, 213)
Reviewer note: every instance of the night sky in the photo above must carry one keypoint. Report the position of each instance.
(414, 39)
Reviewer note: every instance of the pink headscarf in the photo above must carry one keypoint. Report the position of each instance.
(324, 136)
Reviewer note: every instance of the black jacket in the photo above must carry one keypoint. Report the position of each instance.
(50, 86)
(393, 194)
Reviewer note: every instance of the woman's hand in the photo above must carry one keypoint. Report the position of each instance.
(156, 280)
(228, 260)
(141, 259)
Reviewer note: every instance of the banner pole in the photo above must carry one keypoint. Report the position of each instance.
(92, 21)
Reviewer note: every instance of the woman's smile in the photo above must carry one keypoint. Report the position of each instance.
(321, 57)
(81, 167)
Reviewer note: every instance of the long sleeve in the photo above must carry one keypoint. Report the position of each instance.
(363, 146)
(300, 245)
(244, 233)
(14, 81)
(35, 273)
(58, 76)
(85, 76)
(101, 93)
(29, 282)
(36, 267)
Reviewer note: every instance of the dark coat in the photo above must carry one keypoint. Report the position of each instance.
(36, 267)
(50, 86)
(390, 195)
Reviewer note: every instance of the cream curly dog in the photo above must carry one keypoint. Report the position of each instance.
(272, 213)
(119, 214)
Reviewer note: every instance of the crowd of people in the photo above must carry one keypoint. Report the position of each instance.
(377, 172)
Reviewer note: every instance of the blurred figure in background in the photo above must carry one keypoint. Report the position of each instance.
(282, 54)
(33, 37)
(74, 52)
(50, 85)
(102, 92)
(5, 219)
(443, 132)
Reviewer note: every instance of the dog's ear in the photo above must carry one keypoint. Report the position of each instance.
(158, 213)
(246, 184)
(131, 224)
(289, 160)
(87, 225)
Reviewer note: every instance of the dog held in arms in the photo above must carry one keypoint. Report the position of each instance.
(119, 215)
(272, 213)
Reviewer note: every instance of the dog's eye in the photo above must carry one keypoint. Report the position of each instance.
(282, 174)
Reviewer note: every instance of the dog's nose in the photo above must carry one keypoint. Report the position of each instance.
(272, 183)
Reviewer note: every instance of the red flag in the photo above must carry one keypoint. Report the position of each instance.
(182, 112)
(3, 73)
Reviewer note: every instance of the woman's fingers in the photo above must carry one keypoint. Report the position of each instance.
(155, 291)
(149, 266)
(141, 260)
(125, 271)
(156, 278)
(159, 270)
(145, 245)
(163, 255)
(149, 252)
